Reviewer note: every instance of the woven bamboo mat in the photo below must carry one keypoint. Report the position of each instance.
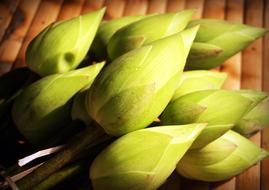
(21, 20)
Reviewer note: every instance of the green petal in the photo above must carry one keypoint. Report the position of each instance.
(221, 109)
(142, 159)
(106, 31)
(209, 134)
(230, 37)
(192, 81)
(141, 32)
(130, 87)
(255, 120)
(63, 45)
(40, 110)
(222, 159)
(211, 106)
(78, 107)
(201, 50)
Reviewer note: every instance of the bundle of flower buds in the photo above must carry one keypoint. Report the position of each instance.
(163, 117)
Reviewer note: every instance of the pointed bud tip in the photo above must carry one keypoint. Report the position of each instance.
(263, 154)
(255, 32)
(188, 37)
(188, 12)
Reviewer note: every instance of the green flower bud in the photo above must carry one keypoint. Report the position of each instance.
(222, 159)
(257, 117)
(106, 31)
(43, 106)
(141, 32)
(192, 81)
(215, 107)
(79, 111)
(130, 94)
(142, 159)
(63, 45)
(230, 38)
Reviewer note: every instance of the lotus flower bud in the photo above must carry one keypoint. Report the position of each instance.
(192, 81)
(43, 106)
(130, 94)
(228, 39)
(142, 159)
(142, 33)
(220, 108)
(257, 117)
(63, 45)
(222, 159)
(106, 31)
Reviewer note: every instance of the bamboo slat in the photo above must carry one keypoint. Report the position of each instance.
(10, 46)
(135, 7)
(42, 19)
(251, 79)
(157, 6)
(7, 8)
(234, 13)
(115, 8)
(70, 9)
(92, 5)
(175, 5)
(265, 87)
(195, 4)
(214, 9)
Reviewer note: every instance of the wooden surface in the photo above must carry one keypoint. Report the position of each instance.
(21, 20)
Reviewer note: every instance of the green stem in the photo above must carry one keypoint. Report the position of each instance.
(84, 140)
(61, 175)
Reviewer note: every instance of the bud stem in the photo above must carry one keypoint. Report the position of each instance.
(85, 139)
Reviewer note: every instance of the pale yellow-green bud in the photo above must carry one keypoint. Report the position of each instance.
(41, 109)
(62, 46)
(219, 40)
(130, 94)
(222, 159)
(221, 109)
(143, 159)
(146, 31)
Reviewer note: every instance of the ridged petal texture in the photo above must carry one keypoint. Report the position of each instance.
(106, 31)
(41, 109)
(143, 159)
(221, 109)
(222, 159)
(192, 81)
(134, 89)
(257, 118)
(219, 40)
(141, 32)
(61, 46)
